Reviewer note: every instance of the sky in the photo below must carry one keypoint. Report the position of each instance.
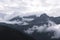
(24, 7)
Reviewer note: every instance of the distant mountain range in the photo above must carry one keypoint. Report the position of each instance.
(43, 19)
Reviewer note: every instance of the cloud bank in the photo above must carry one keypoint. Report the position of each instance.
(23, 7)
(46, 28)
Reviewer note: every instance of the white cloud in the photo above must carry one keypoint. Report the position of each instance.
(56, 30)
(27, 6)
(28, 19)
(46, 28)
(11, 22)
(25, 23)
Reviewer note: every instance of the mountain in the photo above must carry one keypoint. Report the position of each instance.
(24, 20)
(31, 16)
(40, 20)
(55, 19)
(43, 19)
(15, 32)
(37, 21)
(11, 32)
(44, 16)
(16, 18)
(34, 20)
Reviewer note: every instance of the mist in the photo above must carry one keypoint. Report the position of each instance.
(46, 28)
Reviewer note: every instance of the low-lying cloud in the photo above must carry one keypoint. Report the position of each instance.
(46, 28)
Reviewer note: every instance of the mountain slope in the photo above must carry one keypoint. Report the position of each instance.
(43, 19)
(37, 21)
(11, 32)
(16, 18)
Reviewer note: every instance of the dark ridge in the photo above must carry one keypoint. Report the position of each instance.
(19, 35)
(55, 19)
(44, 16)
(31, 16)
(7, 33)
(16, 18)
(43, 19)
(40, 20)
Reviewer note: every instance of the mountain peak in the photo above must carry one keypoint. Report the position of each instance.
(44, 16)
(16, 18)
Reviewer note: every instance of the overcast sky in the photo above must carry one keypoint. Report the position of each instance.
(51, 7)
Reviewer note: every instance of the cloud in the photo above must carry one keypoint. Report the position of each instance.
(28, 19)
(56, 30)
(26, 6)
(25, 23)
(11, 22)
(46, 28)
